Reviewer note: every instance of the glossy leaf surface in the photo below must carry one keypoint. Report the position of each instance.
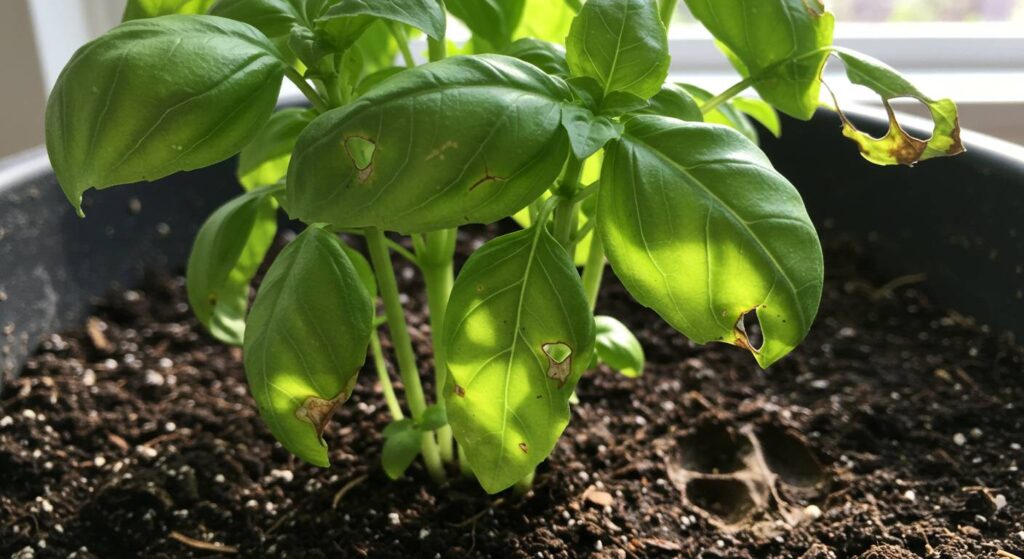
(676, 102)
(465, 140)
(618, 348)
(620, 43)
(549, 57)
(781, 42)
(265, 160)
(700, 227)
(306, 340)
(898, 147)
(209, 86)
(227, 252)
(345, 20)
(274, 18)
(519, 333)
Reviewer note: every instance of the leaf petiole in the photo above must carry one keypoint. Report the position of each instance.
(314, 98)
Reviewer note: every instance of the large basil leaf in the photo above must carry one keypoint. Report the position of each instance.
(725, 114)
(157, 96)
(306, 340)
(549, 57)
(676, 102)
(519, 333)
(898, 147)
(468, 139)
(227, 252)
(782, 43)
(700, 227)
(265, 160)
(620, 43)
(346, 20)
(493, 21)
(141, 9)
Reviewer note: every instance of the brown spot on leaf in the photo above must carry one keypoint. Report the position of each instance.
(559, 361)
(439, 153)
(361, 151)
(524, 448)
(460, 391)
(318, 411)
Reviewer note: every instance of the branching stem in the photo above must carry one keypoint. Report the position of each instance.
(314, 98)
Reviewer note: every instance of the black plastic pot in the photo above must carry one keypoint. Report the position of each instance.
(960, 221)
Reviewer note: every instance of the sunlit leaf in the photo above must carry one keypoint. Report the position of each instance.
(618, 348)
(265, 160)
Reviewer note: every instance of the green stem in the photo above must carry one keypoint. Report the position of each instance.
(385, 380)
(565, 212)
(668, 12)
(318, 102)
(594, 270)
(403, 43)
(402, 343)
(724, 96)
(439, 274)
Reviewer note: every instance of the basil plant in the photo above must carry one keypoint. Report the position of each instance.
(559, 114)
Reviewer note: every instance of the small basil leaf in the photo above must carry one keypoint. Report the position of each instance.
(549, 57)
(618, 103)
(306, 340)
(363, 270)
(622, 44)
(141, 9)
(465, 140)
(618, 347)
(760, 111)
(400, 450)
(346, 20)
(588, 132)
(210, 85)
(898, 147)
(519, 332)
(676, 102)
(725, 114)
(434, 417)
(265, 160)
(700, 227)
(228, 250)
(274, 18)
(396, 427)
(493, 21)
(587, 90)
(782, 42)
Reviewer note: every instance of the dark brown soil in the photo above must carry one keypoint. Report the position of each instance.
(893, 432)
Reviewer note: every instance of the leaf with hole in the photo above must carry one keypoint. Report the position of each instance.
(620, 43)
(141, 9)
(210, 84)
(466, 140)
(618, 348)
(898, 147)
(228, 250)
(782, 44)
(265, 160)
(519, 333)
(306, 340)
(700, 227)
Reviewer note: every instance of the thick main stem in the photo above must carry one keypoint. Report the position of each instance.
(437, 263)
(594, 270)
(566, 210)
(381, 259)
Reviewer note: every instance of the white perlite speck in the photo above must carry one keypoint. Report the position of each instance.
(7, 421)
(813, 512)
(282, 475)
(959, 439)
(424, 533)
(910, 495)
(1000, 502)
(394, 518)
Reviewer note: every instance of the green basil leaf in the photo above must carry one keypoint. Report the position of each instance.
(519, 333)
(676, 102)
(400, 450)
(760, 111)
(588, 132)
(226, 254)
(618, 347)
(274, 18)
(306, 340)
(493, 21)
(549, 20)
(265, 160)
(363, 270)
(141, 9)
(700, 227)
(373, 80)
(898, 147)
(725, 114)
(464, 140)
(618, 103)
(549, 57)
(346, 20)
(209, 86)
(783, 43)
(396, 427)
(434, 417)
(620, 43)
